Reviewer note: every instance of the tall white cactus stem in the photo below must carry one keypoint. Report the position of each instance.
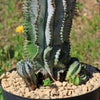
(49, 37)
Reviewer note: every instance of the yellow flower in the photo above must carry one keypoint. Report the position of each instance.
(20, 29)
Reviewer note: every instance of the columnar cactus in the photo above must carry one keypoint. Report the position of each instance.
(47, 24)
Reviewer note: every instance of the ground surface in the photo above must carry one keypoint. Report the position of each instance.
(85, 35)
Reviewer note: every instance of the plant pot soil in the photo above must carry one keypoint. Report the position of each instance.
(14, 88)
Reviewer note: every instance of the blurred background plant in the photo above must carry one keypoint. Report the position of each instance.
(85, 35)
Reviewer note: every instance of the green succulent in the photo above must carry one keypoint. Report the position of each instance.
(76, 73)
(47, 82)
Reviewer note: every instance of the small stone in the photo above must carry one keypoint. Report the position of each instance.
(78, 90)
(2, 76)
(7, 73)
(60, 89)
(57, 83)
(61, 96)
(90, 87)
(69, 93)
(65, 84)
(74, 87)
(26, 90)
(84, 89)
(65, 92)
(44, 96)
(54, 92)
(37, 97)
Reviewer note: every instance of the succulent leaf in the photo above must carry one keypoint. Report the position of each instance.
(77, 73)
(26, 70)
(76, 70)
(47, 82)
(72, 70)
(76, 80)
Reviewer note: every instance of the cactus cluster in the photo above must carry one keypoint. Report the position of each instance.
(47, 24)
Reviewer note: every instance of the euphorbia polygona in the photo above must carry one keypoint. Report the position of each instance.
(47, 24)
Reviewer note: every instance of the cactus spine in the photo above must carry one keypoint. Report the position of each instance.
(47, 24)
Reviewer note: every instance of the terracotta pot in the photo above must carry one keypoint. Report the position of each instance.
(92, 95)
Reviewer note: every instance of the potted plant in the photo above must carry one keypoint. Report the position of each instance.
(47, 24)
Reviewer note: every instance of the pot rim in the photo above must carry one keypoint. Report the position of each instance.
(47, 99)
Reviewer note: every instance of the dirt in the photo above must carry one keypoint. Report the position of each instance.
(13, 83)
(88, 10)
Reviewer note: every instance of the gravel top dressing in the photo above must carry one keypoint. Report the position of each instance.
(13, 83)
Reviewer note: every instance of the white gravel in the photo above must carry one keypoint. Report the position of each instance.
(13, 83)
